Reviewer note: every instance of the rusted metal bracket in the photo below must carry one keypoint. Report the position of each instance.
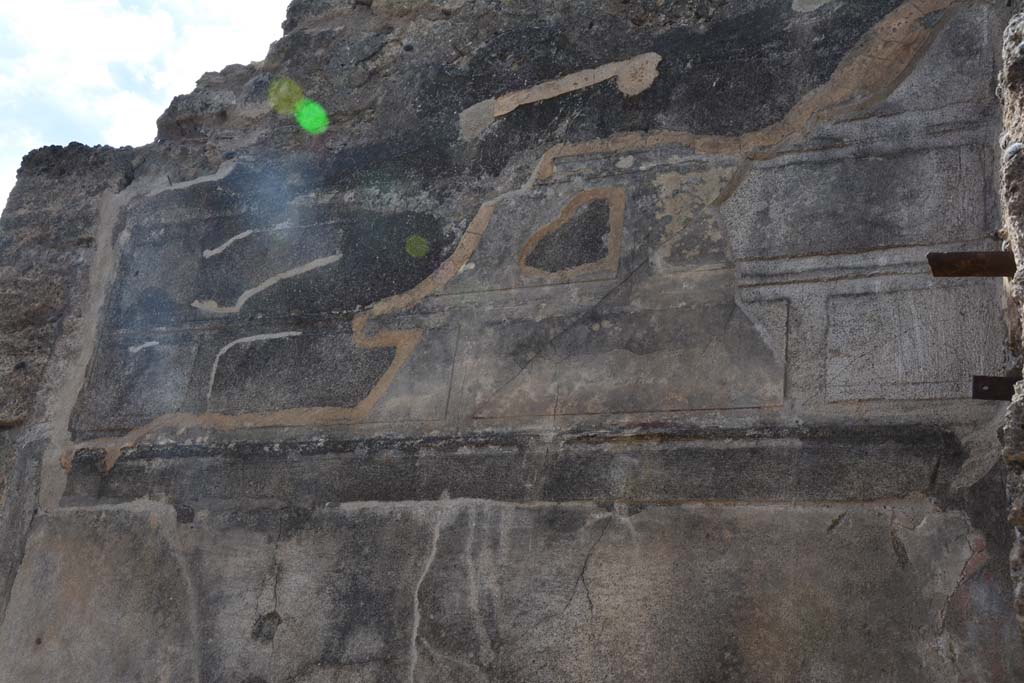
(972, 263)
(994, 388)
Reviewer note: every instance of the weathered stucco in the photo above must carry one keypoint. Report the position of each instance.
(671, 396)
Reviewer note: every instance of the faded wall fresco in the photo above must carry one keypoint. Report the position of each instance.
(591, 341)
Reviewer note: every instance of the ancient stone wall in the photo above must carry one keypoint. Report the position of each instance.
(1011, 92)
(592, 341)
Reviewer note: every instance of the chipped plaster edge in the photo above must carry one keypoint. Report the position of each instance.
(632, 77)
(616, 200)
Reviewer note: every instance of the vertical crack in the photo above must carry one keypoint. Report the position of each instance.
(413, 649)
(581, 579)
(266, 625)
(277, 579)
(977, 559)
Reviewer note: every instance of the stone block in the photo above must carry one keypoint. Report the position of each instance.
(75, 590)
(819, 204)
(913, 344)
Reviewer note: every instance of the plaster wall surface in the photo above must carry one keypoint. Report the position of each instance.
(671, 396)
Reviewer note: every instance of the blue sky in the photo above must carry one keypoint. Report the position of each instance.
(102, 71)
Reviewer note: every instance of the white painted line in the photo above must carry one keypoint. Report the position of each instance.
(237, 342)
(213, 307)
(210, 253)
(147, 345)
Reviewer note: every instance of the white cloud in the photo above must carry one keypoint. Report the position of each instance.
(102, 71)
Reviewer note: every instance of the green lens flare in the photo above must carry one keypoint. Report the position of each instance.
(416, 246)
(285, 95)
(312, 117)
